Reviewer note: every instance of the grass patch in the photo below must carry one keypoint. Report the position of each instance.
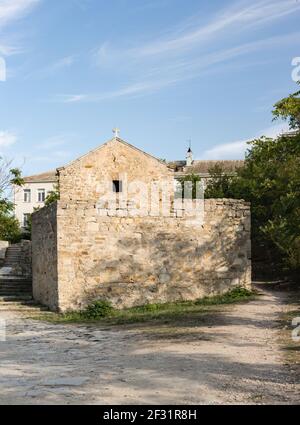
(236, 295)
(102, 311)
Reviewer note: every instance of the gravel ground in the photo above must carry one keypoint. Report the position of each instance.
(232, 357)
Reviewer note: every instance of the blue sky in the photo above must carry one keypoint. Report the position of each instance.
(163, 71)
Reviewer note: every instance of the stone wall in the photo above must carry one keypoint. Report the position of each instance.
(83, 251)
(85, 179)
(3, 247)
(44, 256)
(24, 267)
(133, 261)
(26, 258)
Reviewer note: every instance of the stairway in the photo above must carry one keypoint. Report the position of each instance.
(12, 256)
(15, 290)
(16, 296)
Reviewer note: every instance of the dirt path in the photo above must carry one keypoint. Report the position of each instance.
(232, 357)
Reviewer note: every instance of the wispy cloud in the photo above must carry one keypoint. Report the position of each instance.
(130, 90)
(11, 10)
(53, 68)
(57, 155)
(73, 98)
(237, 18)
(187, 51)
(168, 74)
(56, 149)
(7, 138)
(237, 150)
(7, 49)
(61, 63)
(54, 142)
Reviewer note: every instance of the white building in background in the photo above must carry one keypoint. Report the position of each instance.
(32, 195)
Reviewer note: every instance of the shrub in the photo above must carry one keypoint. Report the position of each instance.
(97, 310)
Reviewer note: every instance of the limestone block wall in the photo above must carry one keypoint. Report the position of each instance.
(137, 260)
(24, 266)
(85, 178)
(44, 256)
(3, 247)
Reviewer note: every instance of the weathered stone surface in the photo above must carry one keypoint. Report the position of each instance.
(81, 253)
(44, 256)
(136, 261)
(17, 259)
(3, 248)
(25, 258)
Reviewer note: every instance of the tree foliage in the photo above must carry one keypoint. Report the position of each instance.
(270, 180)
(220, 184)
(289, 109)
(53, 196)
(191, 184)
(9, 225)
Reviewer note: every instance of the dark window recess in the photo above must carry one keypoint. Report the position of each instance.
(117, 186)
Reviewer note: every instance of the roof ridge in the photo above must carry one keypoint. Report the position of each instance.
(106, 143)
(45, 175)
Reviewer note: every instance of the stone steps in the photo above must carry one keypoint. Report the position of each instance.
(14, 304)
(14, 282)
(6, 279)
(21, 302)
(12, 256)
(15, 287)
(13, 298)
(11, 259)
(10, 278)
(15, 290)
(23, 308)
(18, 301)
(5, 292)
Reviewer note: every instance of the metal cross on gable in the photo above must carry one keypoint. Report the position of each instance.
(116, 132)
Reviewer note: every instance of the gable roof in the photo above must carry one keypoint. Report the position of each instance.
(47, 177)
(114, 139)
(203, 166)
(198, 167)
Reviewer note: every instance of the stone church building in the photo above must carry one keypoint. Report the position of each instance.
(97, 242)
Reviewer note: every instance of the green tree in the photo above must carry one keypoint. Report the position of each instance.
(53, 196)
(270, 180)
(9, 225)
(190, 182)
(289, 109)
(220, 184)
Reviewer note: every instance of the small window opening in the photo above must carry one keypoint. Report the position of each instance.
(117, 186)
